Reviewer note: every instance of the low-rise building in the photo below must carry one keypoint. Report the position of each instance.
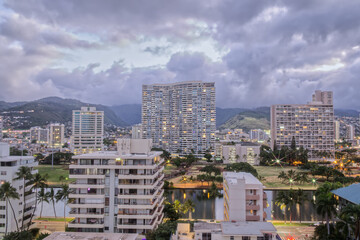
(39, 135)
(9, 165)
(348, 195)
(233, 152)
(91, 236)
(118, 191)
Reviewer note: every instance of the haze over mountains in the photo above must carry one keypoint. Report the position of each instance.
(54, 109)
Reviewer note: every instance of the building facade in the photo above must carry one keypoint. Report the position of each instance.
(337, 131)
(350, 132)
(39, 135)
(312, 125)
(180, 117)
(87, 130)
(258, 135)
(136, 132)
(118, 191)
(56, 135)
(233, 152)
(9, 165)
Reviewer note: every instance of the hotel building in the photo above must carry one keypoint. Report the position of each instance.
(312, 125)
(39, 135)
(87, 130)
(56, 131)
(9, 165)
(118, 191)
(180, 117)
(233, 152)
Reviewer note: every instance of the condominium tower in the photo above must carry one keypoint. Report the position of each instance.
(56, 132)
(180, 117)
(312, 124)
(87, 130)
(118, 191)
(39, 135)
(9, 165)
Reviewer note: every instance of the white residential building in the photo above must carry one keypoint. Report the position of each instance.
(56, 132)
(312, 124)
(118, 191)
(350, 132)
(180, 117)
(337, 131)
(1, 127)
(259, 135)
(91, 236)
(9, 165)
(232, 152)
(87, 130)
(136, 132)
(39, 135)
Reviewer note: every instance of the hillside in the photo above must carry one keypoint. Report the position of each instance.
(258, 118)
(129, 113)
(54, 109)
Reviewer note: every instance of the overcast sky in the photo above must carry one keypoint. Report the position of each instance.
(259, 52)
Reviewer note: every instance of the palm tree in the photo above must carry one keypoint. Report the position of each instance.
(300, 199)
(283, 200)
(352, 212)
(8, 192)
(63, 195)
(23, 173)
(42, 197)
(282, 175)
(326, 207)
(177, 206)
(38, 181)
(189, 206)
(52, 199)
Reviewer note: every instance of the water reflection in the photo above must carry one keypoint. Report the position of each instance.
(213, 208)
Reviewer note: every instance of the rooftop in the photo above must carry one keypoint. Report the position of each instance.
(90, 236)
(115, 154)
(207, 226)
(350, 193)
(247, 228)
(232, 177)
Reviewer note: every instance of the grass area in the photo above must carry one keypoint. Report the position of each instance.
(55, 173)
(169, 168)
(59, 219)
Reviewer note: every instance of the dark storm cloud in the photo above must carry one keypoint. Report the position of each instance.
(278, 51)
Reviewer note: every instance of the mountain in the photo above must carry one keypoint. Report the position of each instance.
(249, 119)
(54, 109)
(6, 105)
(346, 113)
(129, 113)
(224, 114)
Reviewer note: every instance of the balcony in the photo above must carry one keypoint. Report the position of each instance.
(76, 214)
(86, 195)
(159, 200)
(252, 197)
(86, 185)
(158, 191)
(88, 224)
(252, 207)
(86, 205)
(85, 176)
(252, 218)
(136, 226)
(142, 185)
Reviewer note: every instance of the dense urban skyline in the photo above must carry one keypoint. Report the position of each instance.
(257, 52)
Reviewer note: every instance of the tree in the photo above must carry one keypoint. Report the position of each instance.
(177, 206)
(241, 167)
(59, 157)
(37, 181)
(300, 198)
(17, 152)
(166, 155)
(23, 235)
(209, 169)
(8, 192)
(51, 197)
(42, 236)
(283, 201)
(352, 211)
(170, 212)
(208, 157)
(63, 195)
(41, 198)
(23, 173)
(188, 206)
(163, 231)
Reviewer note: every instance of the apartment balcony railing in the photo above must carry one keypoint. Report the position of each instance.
(252, 197)
(252, 207)
(252, 218)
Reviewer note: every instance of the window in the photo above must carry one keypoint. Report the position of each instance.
(246, 238)
(231, 237)
(3, 173)
(206, 236)
(2, 225)
(260, 238)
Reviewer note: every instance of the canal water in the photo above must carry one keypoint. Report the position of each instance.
(207, 208)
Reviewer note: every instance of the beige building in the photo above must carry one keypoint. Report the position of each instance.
(87, 130)
(118, 191)
(136, 132)
(337, 131)
(9, 165)
(180, 117)
(39, 135)
(350, 132)
(233, 152)
(56, 132)
(312, 125)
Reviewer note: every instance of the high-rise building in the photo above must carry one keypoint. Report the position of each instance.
(337, 131)
(118, 191)
(39, 135)
(350, 132)
(258, 135)
(1, 128)
(87, 130)
(56, 132)
(233, 152)
(312, 124)
(180, 117)
(9, 167)
(136, 131)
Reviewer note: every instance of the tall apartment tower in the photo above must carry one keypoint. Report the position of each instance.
(350, 132)
(118, 191)
(337, 131)
(244, 197)
(39, 135)
(1, 128)
(9, 167)
(180, 117)
(56, 132)
(312, 124)
(136, 132)
(87, 130)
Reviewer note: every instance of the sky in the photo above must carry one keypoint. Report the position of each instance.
(258, 53)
